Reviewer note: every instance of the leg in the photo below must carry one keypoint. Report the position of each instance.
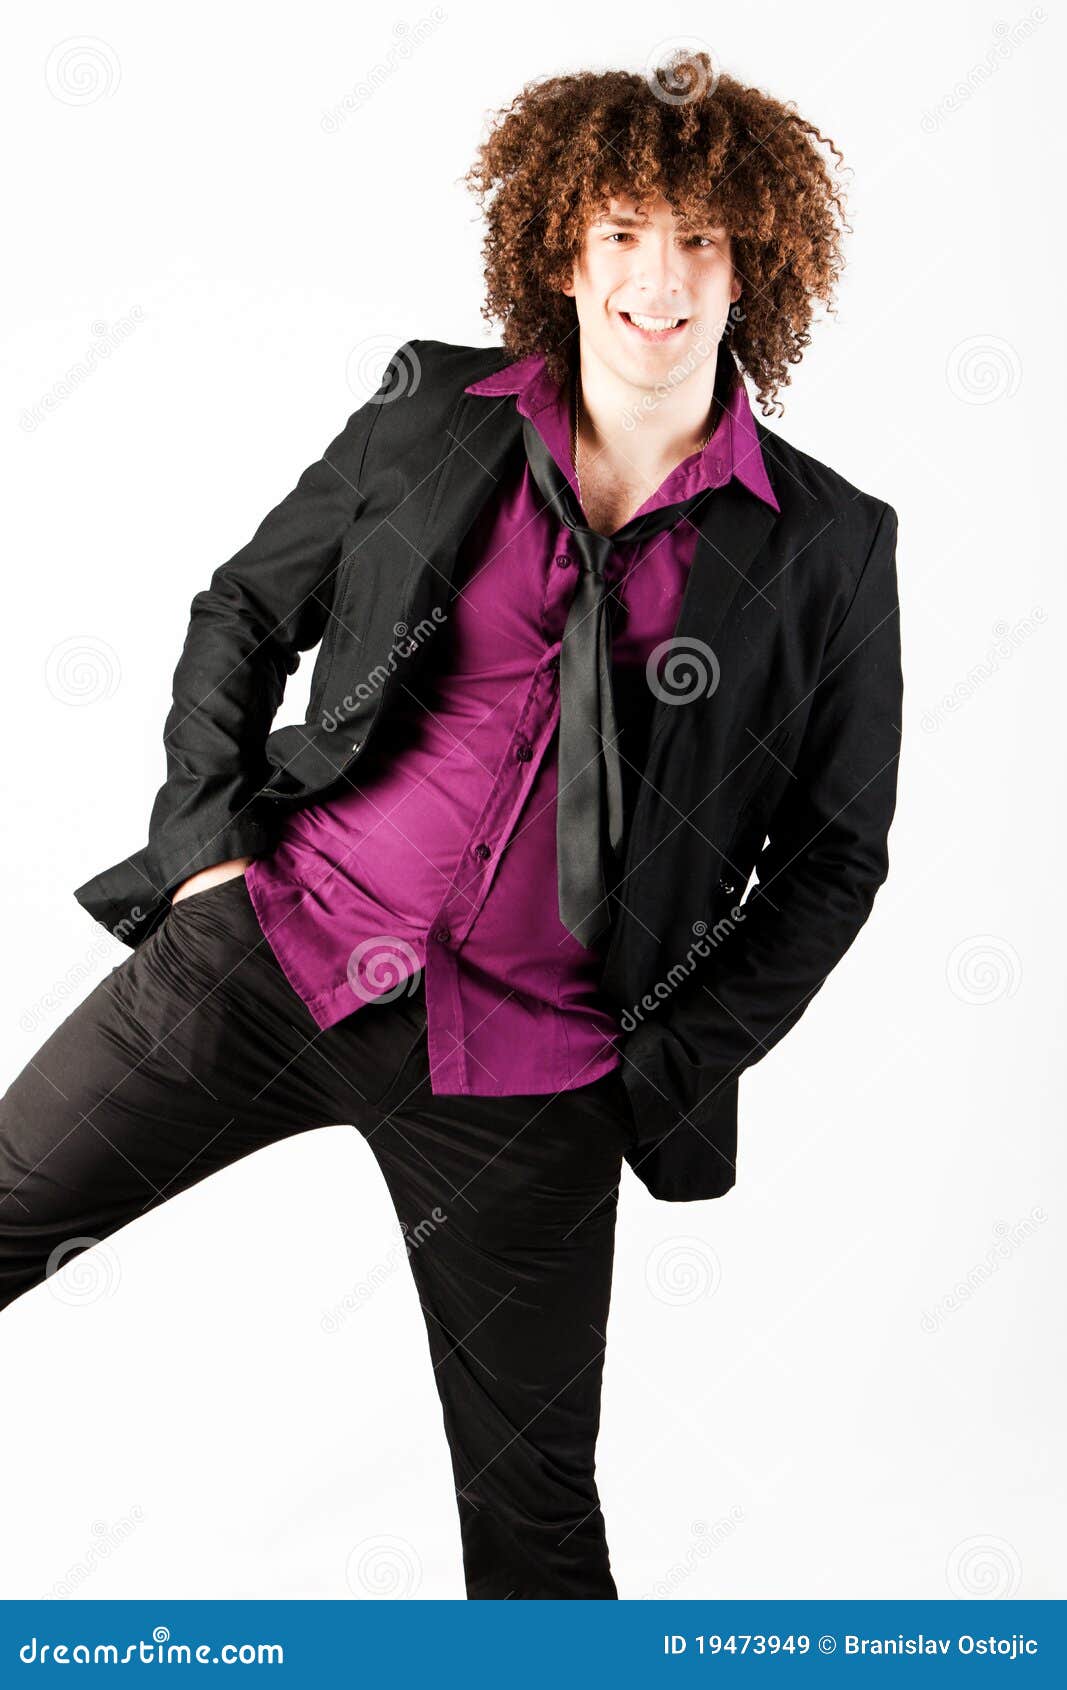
(508, 1206)
(193, 1052)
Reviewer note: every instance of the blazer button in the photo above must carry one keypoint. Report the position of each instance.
(728, 886)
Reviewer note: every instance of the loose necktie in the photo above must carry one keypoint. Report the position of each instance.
(589, 818)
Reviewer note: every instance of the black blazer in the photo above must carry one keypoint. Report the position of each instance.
(786, 764)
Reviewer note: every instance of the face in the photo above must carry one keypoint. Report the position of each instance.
(636, 265)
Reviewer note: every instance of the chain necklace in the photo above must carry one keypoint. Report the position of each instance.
(574, 431)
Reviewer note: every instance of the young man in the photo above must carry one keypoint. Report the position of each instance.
(594, 644)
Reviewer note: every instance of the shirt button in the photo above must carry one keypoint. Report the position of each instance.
(553, 664)
(482, 851)
(442, 935)
(524, 752)
(563, 561)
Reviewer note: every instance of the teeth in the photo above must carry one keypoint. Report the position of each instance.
(653, 322)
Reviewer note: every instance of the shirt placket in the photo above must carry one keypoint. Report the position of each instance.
(447, 1035)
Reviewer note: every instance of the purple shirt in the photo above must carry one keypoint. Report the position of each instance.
(442, 856)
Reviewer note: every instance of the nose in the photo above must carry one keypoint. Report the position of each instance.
(657, 272)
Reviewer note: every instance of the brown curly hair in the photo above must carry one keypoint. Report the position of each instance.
(713, 147)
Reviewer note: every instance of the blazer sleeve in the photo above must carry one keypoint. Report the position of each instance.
(246, 628)
(817, 877)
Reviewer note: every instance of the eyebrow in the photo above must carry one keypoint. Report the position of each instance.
(627, 220)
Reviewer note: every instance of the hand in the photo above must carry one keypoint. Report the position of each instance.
(206, 877)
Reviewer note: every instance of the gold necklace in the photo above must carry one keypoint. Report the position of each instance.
(574, 432)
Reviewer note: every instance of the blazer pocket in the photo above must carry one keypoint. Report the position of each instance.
(743, 845)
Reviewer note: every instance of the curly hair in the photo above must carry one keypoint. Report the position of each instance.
(713, 147)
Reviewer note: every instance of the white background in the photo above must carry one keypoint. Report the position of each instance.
(815, 1386)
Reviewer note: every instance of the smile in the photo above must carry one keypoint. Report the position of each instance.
(654, 328)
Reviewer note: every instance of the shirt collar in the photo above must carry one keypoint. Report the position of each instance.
(733, 450)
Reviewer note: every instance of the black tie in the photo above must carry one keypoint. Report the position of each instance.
(589, 818)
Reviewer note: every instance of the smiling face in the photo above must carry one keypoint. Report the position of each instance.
(638, 272)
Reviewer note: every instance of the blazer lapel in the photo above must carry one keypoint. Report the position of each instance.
(733, 525)
(480, 438)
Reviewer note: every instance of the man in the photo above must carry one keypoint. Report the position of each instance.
(591, 637)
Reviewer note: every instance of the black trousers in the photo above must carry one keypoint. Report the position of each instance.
(196, 1051)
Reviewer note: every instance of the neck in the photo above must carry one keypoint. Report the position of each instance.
(642, 432)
